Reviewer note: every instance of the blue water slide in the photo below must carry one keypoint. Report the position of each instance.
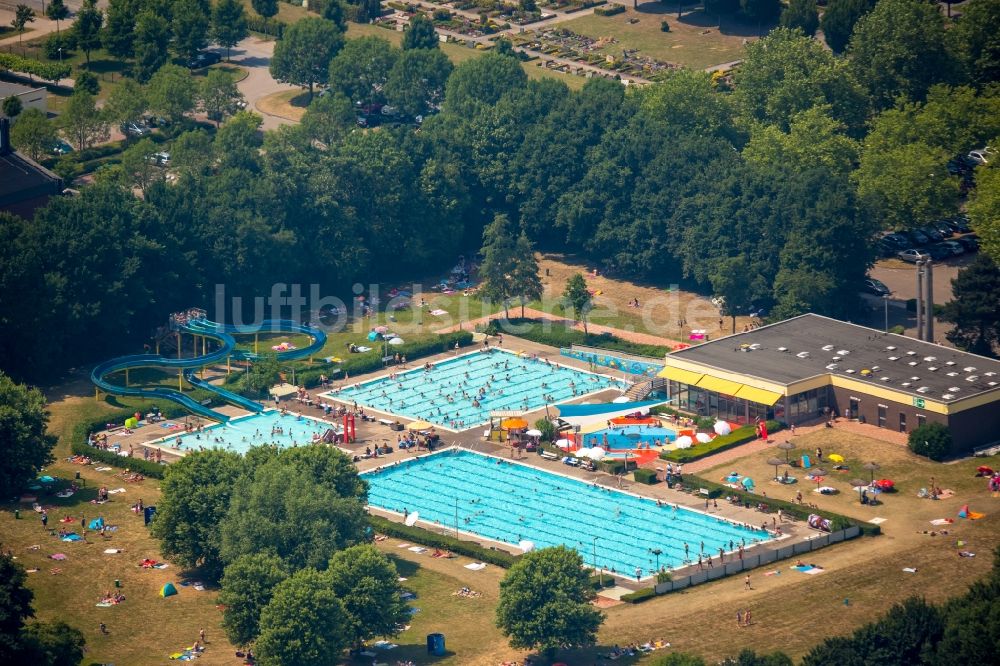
(223, 334)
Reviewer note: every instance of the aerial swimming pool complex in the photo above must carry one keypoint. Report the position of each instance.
(265, 428)
(460, 393)
(511, 502)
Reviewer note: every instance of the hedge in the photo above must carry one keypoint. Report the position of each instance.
(616, 466)
(610, 11)
(442, 542)
(800, 511)
(644, 475)
(266, 26)
(559, 335)
(721, 443)
(637, 597)
(49, 71)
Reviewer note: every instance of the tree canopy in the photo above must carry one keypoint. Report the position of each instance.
(975, 307)
(302, 56)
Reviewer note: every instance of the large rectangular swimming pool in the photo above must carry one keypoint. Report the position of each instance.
(459, 393)
(509, 502)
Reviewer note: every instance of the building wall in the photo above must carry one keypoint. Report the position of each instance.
(976, 427)
(31, 99)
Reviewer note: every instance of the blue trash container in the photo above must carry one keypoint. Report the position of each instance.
(435, 644)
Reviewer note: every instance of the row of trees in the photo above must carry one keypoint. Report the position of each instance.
(286, 533)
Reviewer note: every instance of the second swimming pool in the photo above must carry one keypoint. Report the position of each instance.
(630, 437)
(509, 502)
(270, 427)
(459, 393)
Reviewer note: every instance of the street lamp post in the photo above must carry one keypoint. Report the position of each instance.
(657, 552)
(885, 303)
(600, 572)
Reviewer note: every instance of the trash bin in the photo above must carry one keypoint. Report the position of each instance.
(435, 644)
(78, 475)
(17, 514)
(118, 582)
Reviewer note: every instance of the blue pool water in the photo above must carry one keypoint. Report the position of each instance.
(629, 437)
(507, 501)
(459, 393)
(255, 430)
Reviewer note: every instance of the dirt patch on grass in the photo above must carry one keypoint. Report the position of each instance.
(288, 104)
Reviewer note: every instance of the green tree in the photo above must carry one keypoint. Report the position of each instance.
(984, 209)
(481, 82)
(87, 27)
(219, 95)
(302, 56)
(367, 583)
(83, 121)
(237, 145)
(27, 447)
(12, 106)
(126, 103)
(417, 81)
(496, 271)
(329, 118)
(732, 280)
(526, 284)
(196, 495)
(262, 374)
(172, 92)
(266, 8)
(931, 440)
(544, 602)
(15, 597)
(333, 11)
(33, 134)
(87, 81)
(839, 20)
(361, 69)
(247, 587)
(52, 644)
(678, 659)
(190, 27)
(138, 166)
(761, 10)
(152, 37)
(420, 34)
(976, 42)
(578, 297)
(118, 36)
(229, 24)
(305, 624)
(975, 307)
(23, 15)
(900, 49)
(57, 11)
(801, 15)
(191, 153)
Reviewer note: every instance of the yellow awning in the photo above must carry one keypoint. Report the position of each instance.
(679, 375)
(723, 386)
(758, 395)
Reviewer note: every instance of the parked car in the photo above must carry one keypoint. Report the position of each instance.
(204, 59)
(877, 287)
(959, 224)
(969, 242)
(162, 158)
(939, 252)
(913, 256)
(61, 147)
(899, 241)
(885, 249)
(933, 234)
(943, 229)
(134, 129)
(955, 247)
(982, 155)
(918, 238)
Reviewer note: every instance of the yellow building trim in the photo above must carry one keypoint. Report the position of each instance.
(680, 375)
(755, 382)
(974, 401)
(718, 385)
(758, 395)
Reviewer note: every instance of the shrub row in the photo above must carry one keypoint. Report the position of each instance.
(556, 334)
(267, 26)
(598, 581)
(644, 475)
(616, 466)
(442, 542)
(145, 467)
(610, 11)
(721, 443)
(50, 71)
(798, 511)
(637, 597)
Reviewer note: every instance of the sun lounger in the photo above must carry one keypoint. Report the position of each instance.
(549, 456)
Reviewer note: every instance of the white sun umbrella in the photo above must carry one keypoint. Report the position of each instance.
(620, 399)
(722, 428)
(703, 437)
(395, 342)
(563, 443)
(525, 545)
(411, 519)
(683, 442)
(597, 453)
(533, 433)
(583, 453)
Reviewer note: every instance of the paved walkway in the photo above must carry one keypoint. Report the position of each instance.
(532, 313)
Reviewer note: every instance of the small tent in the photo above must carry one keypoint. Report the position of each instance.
(168, 590)
(96, 524)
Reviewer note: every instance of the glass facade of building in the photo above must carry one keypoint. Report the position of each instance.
(797, 408)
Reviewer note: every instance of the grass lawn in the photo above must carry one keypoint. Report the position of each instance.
(693, 41)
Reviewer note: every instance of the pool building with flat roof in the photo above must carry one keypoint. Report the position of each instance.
(801, 369)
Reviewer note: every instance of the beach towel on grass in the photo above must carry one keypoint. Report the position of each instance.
(476, 566)
(72, 536)
(417, 549)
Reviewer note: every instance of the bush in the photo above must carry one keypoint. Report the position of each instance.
(50, 71)
(664, 26)
(547, 429)
(267, 26)
(644, 475)
(721, 443)
(145, 467)
(66, 39)
(616, 466)
(87, 81)
(599, 582)
(610, 11)
(637, 597)
(931, 440)
(443, 542)
(557, 335)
